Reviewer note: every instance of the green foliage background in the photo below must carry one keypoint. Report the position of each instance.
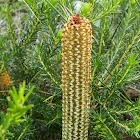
(30, 50)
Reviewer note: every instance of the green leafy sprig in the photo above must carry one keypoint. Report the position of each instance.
(16, 109)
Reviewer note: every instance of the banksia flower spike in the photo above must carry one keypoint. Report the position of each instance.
(76, 75)
(4, 81)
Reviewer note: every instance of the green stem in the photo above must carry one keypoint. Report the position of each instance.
(107, 128)
(10, 27)
(134, 78)
(91, 13)
(125, 111)
(102, 36)
(45, 68)
(124, 75)
(56, 10)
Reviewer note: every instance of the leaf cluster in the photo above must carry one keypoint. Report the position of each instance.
(16, 110)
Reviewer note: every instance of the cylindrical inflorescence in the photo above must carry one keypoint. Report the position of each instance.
(76, 77)
(4, 81)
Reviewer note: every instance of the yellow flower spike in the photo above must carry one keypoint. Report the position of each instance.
(76, 77)
(4, 81)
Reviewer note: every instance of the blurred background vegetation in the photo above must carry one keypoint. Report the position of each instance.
(30, 50)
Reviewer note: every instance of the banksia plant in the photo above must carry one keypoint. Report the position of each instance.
(76, 77)
(4, 81)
